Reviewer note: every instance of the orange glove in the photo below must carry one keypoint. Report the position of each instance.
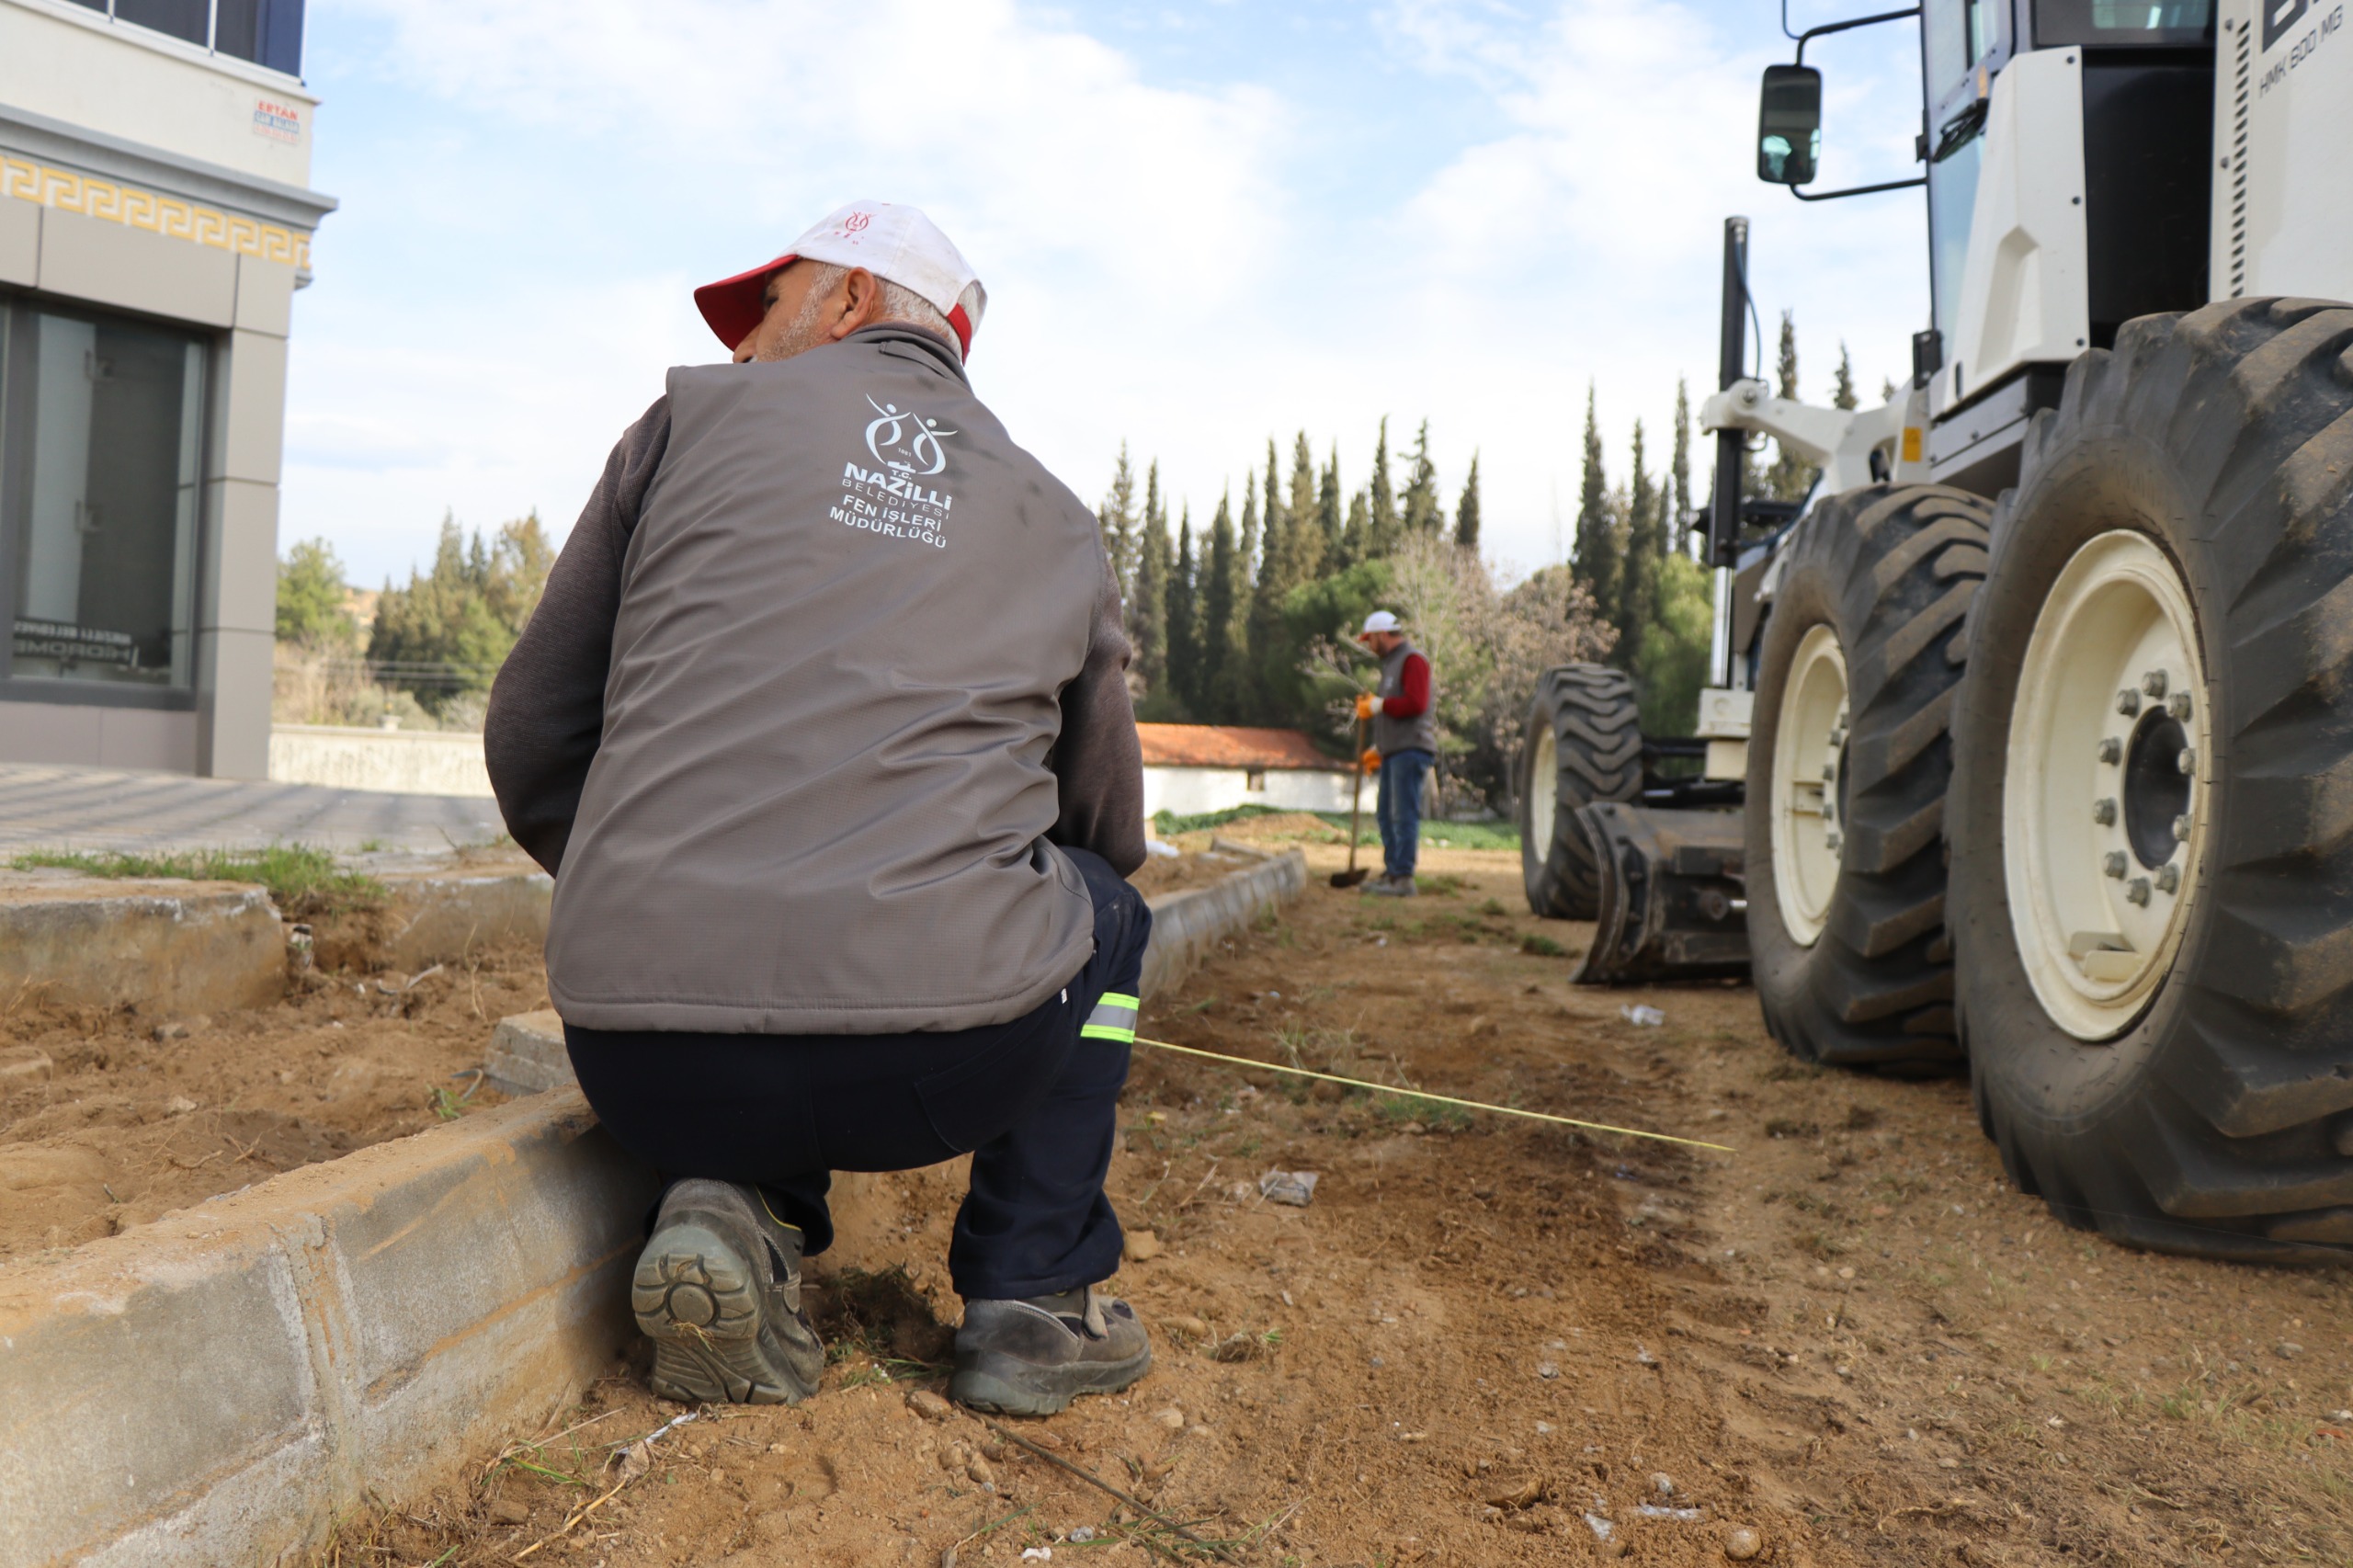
(1364, 705)
(1371, 760)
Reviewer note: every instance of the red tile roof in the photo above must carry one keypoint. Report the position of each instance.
(1231, 745)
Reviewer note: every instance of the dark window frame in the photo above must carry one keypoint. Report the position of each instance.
(279, 21)
(16, 502)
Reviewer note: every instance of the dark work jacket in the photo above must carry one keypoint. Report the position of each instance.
(826, 672)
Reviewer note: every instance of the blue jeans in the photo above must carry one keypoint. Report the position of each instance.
(1399, 811)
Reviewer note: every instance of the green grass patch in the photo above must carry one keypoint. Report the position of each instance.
(1437, 1115)
(1538, 944)
(302, 880)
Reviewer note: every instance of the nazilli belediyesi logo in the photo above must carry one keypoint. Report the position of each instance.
(909, 433)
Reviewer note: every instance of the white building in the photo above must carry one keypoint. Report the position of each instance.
(155, 219)
(1192, 768)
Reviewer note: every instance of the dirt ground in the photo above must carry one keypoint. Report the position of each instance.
(1492, 1341)
(110, 1120)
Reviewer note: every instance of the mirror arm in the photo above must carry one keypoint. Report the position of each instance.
(1858, 190)
(1842, 26)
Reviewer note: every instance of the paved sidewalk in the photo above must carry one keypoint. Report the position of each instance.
(83, 808)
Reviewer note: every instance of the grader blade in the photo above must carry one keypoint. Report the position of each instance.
(1673, 903)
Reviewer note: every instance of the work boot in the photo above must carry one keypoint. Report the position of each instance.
(718, 1291)
(1392, 887)
(1033, 1358)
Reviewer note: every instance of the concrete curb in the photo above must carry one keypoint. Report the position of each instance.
(172, 947)
(215, 1388)
(435, 916)
(1188, 927)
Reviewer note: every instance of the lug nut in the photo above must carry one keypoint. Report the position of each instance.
(1839, 736)
(2169, 877)
(2181, 828)
(2178, 705)
(2111, 749)
(1829, 774)
(1831, 842)
(2104, 812)
(2113, 864)
(2139, 892)
(2128, 702)
(2154, 682)
(2188, 762)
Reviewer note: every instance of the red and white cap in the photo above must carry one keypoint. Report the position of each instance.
(898, 244)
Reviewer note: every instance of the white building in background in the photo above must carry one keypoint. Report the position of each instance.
(155, 219)
(1191, 769)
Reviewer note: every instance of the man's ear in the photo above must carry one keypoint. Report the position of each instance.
(860, 303)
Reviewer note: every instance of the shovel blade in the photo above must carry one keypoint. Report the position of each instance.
(1350, 879)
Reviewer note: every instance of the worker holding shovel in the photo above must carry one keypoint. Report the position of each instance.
(822, 727)
(1404, 735)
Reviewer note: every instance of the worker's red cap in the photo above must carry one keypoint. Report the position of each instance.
(898, 244)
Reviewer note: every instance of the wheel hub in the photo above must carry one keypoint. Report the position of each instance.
(1544, 783)
(1809, 803)
(2102, 819)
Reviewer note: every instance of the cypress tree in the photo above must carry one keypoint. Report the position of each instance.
(1355, 534)
(1184, 620)
(1382, 537)
(1638, 591)
(1466, 512)
(1239, 698)
(1148, 610)
(1327, 511)
(1117, 517)
(1790, 477)
(1596, 561)
(1844, 396)
(1220, 590)
(1302, 556)
(1678, 473)
(1423, 511)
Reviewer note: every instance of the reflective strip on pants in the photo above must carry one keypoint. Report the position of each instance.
(1114, 1019)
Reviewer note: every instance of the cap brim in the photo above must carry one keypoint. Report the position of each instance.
(732, 306)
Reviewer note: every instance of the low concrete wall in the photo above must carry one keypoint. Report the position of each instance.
(213, 1388)
(1188, 927)
(395, 762)
(170, 947)
(437, 916)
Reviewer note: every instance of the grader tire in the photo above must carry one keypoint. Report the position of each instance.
(2156, 1008)
(1848, 760)
(1584, 743)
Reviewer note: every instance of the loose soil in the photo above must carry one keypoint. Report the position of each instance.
(110, 1120)
(1486, 1339)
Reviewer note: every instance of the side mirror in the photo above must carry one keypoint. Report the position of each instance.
(1789, 125)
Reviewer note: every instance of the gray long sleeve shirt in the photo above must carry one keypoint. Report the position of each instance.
(813, 691)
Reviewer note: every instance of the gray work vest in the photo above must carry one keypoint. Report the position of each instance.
(1417, 734)
(847, 613)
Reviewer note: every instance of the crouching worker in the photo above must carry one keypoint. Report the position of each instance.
(822, 726)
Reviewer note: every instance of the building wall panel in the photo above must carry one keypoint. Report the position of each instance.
(19, 242)
(253, 418)
(233, 739)
(264, 296)
(109, 264)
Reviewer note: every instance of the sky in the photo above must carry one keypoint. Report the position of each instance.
(1200, 226)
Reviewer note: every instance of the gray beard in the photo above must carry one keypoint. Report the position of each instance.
(803, 335)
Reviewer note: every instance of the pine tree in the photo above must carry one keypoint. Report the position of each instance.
(1184, 620)
(1382, 537)
(1466, 512)
(1638, 590)
(1678, 473)
(309, 599)
(1596, 562)
(1423, 511)
(1238, 700)
(1845, 396)
(1274, 522)
(1355, 534)
(1303, 535)
(1117, 517)
(1790, 477)
(1148, 608)
(1220, 590)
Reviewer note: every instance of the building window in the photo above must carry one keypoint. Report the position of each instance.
(267, 32)
(1254, 780)
(101, 487)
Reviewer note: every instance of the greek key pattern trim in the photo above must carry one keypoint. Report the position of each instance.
(136, 209)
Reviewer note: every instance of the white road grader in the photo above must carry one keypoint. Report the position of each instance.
(2040, 709)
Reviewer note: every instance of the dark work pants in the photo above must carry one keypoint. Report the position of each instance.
(1398, 809)
(1034, 1103)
